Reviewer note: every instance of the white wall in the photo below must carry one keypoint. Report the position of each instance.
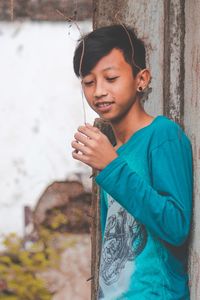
(40, 109)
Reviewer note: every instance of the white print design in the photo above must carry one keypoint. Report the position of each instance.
(124, 239)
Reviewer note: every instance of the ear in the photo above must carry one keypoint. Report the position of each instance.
(143, 79)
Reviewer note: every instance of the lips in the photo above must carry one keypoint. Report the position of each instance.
(104, 106)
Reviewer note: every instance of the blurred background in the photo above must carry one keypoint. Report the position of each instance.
(45, 194)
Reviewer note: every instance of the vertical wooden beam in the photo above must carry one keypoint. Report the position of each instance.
(173, 83)
(96, 227)
(95, 239)
(192, 128)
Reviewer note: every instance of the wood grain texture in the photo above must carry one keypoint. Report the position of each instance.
(95, 239)
(192, 126)
(96, 226)
(173, 84)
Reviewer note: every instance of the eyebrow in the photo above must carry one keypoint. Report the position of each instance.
(111, 67)
(106, 69)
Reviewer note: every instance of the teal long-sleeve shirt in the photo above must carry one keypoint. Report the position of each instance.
(146, 205)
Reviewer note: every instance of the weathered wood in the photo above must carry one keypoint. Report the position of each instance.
(96, 228)
(173, 80)
(192, 125)
(95, 239)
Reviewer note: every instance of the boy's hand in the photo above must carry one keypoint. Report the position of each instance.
(92, 147)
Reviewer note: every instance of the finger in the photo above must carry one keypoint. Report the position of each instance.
(90, 132)
(79, 147)
(80, 157)
(93, 128)
(82, 138)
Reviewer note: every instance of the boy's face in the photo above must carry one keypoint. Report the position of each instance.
(110, 88)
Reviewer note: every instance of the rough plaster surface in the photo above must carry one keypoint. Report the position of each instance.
(148, 21)
(70, 282)
(40, 109)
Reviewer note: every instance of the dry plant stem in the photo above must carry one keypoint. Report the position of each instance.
(132, 48)
(72, 19)
(90, 278)
(84, 110)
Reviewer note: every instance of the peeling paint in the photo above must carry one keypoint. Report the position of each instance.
(174, 60)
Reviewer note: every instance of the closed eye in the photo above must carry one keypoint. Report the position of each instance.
(111, 79)
(88, 83)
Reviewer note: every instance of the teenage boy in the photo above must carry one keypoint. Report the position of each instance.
(145, 179)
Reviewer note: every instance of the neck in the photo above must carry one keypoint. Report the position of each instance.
(132, 122)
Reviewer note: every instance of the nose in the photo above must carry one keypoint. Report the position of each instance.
(100, 90)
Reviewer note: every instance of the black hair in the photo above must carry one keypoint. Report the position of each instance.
(100, 42)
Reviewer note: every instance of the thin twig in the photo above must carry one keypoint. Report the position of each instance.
(83, 104)
(132, 47)
(73, 20)
(92, 277)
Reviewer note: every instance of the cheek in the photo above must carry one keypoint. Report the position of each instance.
(130, 88)
(88, 94)
(123, 90)
(89, 98)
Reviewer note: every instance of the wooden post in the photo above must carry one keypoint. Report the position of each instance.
(192, 126)
(95, 239)
(173, 71)
(96, 228)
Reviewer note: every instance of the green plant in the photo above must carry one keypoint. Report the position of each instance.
(19, 268)
(21, 264)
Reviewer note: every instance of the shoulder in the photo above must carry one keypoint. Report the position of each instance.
(166, 130)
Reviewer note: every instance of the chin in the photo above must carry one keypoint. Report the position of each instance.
(111, 119)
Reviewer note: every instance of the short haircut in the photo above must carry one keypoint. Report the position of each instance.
(100, 42)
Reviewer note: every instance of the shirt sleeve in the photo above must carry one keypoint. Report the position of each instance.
(165, 205)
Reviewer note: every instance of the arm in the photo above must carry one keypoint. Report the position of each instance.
(165, 206)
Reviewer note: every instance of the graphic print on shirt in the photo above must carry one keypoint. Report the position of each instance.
(124, 239)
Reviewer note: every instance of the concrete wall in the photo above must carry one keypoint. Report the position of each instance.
(171, 32)
(151, 30)
(40, 109)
